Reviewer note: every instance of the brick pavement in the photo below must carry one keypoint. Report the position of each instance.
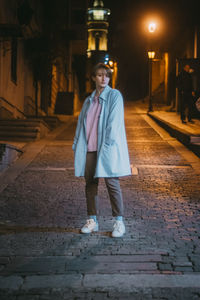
(44, 256)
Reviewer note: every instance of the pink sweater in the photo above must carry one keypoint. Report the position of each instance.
(92, 124)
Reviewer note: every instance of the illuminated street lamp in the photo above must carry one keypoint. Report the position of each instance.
(114, 69)
(151, 55)
(152, 27)
(111, 63)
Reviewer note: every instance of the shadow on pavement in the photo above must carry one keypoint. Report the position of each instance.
(24, 229)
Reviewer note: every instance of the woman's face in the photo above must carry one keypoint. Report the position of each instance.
(101, 79)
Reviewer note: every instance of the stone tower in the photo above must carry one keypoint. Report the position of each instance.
(97, 27)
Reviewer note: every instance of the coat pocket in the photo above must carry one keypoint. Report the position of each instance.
(110, 158)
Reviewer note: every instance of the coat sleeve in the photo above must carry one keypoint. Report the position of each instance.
(78, 127)
(115, 121)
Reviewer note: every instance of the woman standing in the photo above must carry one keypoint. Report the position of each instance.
(100, 148)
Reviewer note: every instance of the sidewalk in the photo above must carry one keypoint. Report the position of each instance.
(188, 134)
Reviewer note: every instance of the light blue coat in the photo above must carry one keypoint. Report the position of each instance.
(112, 152)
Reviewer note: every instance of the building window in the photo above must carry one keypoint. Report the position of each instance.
(14, 60)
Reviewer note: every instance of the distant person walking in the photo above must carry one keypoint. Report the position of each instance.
(100, 148)
(186, 93)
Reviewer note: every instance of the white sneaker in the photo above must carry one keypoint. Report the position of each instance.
(90, 226)
(119, 229)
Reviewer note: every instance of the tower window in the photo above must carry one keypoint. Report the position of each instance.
(98, 14)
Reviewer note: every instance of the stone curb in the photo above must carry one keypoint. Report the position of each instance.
(180, 134)
(52, 281)
(102, 282)
(128, 282)
(10, 282)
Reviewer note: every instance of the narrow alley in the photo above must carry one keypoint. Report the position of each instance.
(44, 256)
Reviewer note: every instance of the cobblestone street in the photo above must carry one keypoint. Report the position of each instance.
(42, 208)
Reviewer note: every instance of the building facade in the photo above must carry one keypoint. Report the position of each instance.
(17, 91)
(42, 45)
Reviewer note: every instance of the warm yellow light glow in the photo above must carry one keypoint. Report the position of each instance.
(152, 27)
(111, 63)
(153, 24)
(151, 54)
(98, 14)
(91, 41)
(89, 53)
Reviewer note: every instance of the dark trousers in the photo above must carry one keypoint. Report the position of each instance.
(186, 106)
(91, 188)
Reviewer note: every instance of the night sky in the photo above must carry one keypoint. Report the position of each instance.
(128, 40)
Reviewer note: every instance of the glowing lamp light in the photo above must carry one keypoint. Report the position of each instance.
(151, 54)
(152, 27)
(89, 54)
(106, 58)
(98, 14)
(111, 63)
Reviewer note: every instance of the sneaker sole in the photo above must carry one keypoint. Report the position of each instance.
(95, 230)
(119, 236)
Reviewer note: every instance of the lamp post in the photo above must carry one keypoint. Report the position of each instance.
(113, 66)
(151, 55)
